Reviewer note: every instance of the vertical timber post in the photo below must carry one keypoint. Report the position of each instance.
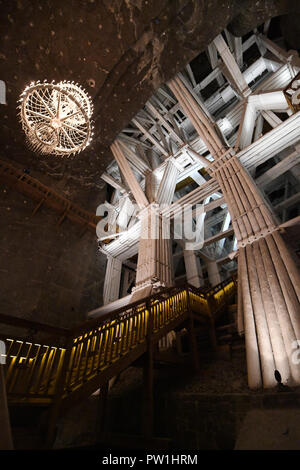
(58, 394)
(192, 335)
(102, 413)
(211, 324)
(148, 399)
(6, 442)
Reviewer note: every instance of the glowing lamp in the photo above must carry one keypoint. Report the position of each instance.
(56, 117)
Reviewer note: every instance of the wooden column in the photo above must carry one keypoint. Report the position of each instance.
(58, 395)
(102, 413)
(232, 66)
(167, 185)
(112, 280)
(211, 322)
(128, 174)
(193, 268)
(154, 268)
(192, 336)
(6, 442)
(213, 273)
(148, 398)
(270, 281)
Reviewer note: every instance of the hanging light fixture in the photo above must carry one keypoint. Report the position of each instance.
(56, 117)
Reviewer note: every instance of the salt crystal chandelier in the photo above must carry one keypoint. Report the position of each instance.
(56, 117)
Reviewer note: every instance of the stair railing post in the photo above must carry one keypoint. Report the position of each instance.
(192, 335)
(58, 394)
(6, 442)
(211, 322)
(101, 427)
(148, 399)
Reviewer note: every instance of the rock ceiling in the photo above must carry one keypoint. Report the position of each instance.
(120, 51)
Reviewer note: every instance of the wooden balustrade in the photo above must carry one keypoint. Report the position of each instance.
(37, 372)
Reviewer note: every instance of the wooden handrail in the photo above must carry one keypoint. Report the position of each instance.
(154, 297)
(60, 373)
(90, 324)
(138, 303)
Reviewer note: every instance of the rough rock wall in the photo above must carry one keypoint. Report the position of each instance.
(48, 273)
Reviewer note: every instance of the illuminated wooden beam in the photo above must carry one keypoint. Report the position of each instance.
(231, 65)
(112, 280)
(150, 137)
(128, 174)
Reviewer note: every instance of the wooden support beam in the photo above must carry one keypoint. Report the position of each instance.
(113, 182)
(213, 58)
(58, 396)
(139, 164)
(192, 337)
(37, 191)
(148, 397)
(231, 65)
(196, 97)
(238, 51)
(277, 51)
(191, 75)
(271, 118)
(197, 156)
(40, 204)
(281, 167)
(210, 78)
(101, 421)
(238, 137)
(270, 144)
(266, 27)
(133, 140)
(194, 197)
(212, 333)
(288, 202)
(216, 203)
(217, 237)
(129, 175)
(150, 137)
(165, 123)
(167, 185)
(64, 215)
(6, 442)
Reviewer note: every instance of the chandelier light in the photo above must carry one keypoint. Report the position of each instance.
(56, 117)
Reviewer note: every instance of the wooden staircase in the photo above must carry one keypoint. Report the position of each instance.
(56, 368)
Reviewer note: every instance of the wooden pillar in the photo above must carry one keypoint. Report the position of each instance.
(232, 66)
(148, 398)
(128, 174)
(167, 185)
(112, 280)
(58, 394)
(270, 281)
(224, 227)
(211, 322)
(6, 442)
(192, 336)
(102, 412)
(193, 268)
(154, 268)
(213, 273)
